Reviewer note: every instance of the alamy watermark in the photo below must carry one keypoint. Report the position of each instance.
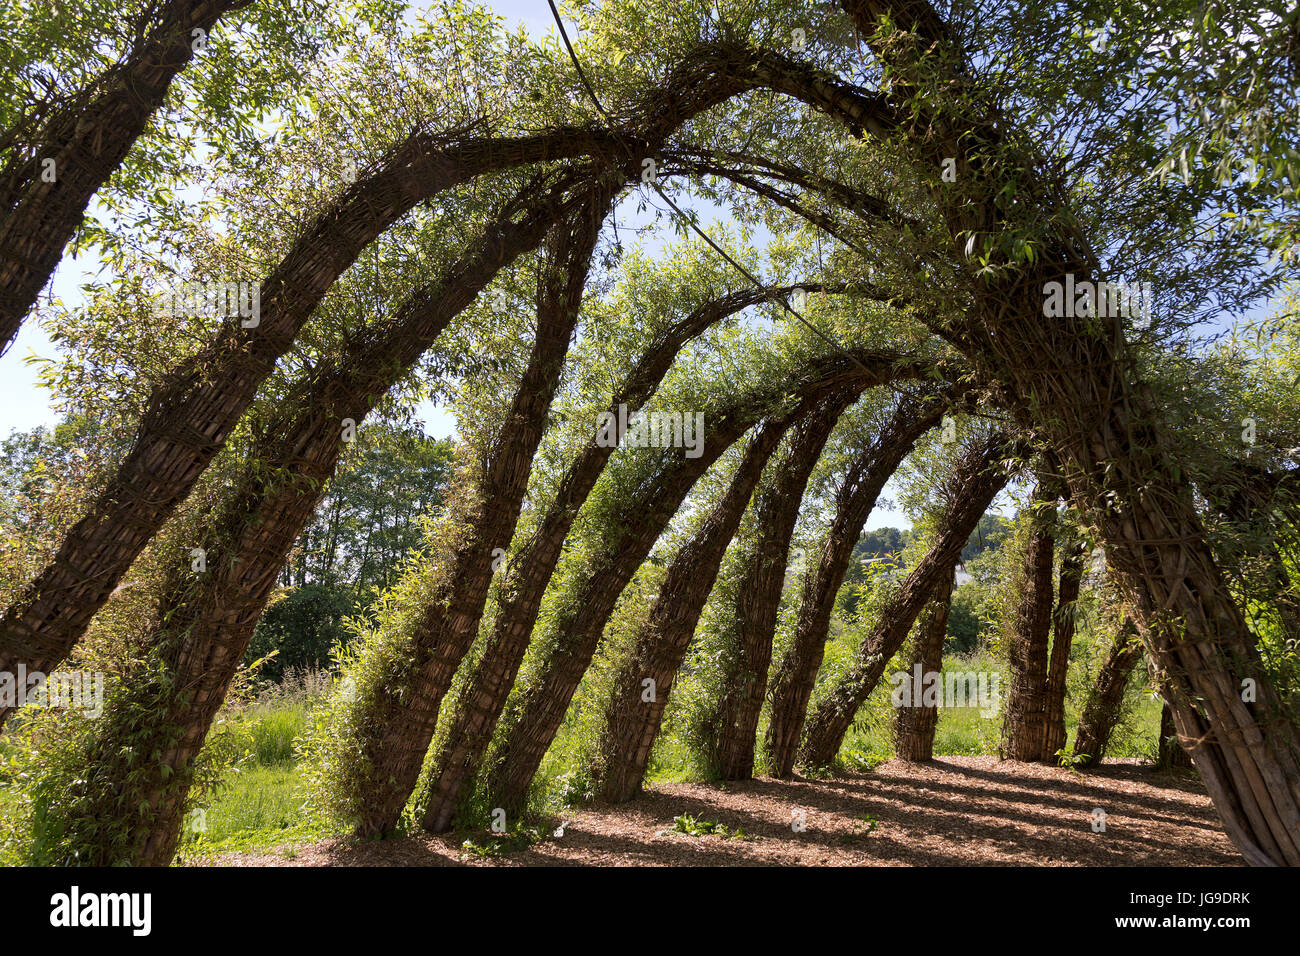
(213, 300)
(954, 689)
(70, 690)
(1130, 300)
(652, 430)
(75, 909)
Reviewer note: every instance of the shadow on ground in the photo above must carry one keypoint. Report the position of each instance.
(953, 811)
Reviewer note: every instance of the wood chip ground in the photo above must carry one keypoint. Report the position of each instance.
(954, 811)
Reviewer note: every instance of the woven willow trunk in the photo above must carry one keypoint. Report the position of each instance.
(632, 723)
(914, 724)
(205, 622)
(477, 708)
(1072, 381)
(1073, 562)
(635, 709)
(1105, 704)
(206, 634)
(87, 138)
(792, 684)
(732, 728)
(1024, 728)
(1124, 478)
(969, 491)
(401, 716)
(535, 714)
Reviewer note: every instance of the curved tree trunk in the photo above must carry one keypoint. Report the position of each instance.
(756, 598)
(478, 706)
(1125, 479)
(970, 491)
(1172, 754)
(87, 138)
(792, 684)
(400, 715)
(1073, 563)
(204, 622)
(915, 724)
(1105, 703)
(192, 413)
(1025, 716)
(535, 715)
(632, 722)
(635, 708)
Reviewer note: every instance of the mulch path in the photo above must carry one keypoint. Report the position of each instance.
(955, 811)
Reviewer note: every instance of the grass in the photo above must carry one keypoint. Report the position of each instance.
(272, 732)
(260, 801)
(672, 762)
(258, 807)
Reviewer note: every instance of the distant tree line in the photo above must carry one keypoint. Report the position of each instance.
(368, 522)
(888, 545)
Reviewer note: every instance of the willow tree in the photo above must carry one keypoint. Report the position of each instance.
(1104, 706)
(916, 721)
(1013, 243)
(192, 411)
(633, 322)
(205, 617)
(965, 496)
(968, 182)
(1024, 730)
(565, 650)
(83, 84)
(796, 673)
(631, 718)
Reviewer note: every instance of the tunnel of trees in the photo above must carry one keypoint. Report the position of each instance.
(704, 284)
